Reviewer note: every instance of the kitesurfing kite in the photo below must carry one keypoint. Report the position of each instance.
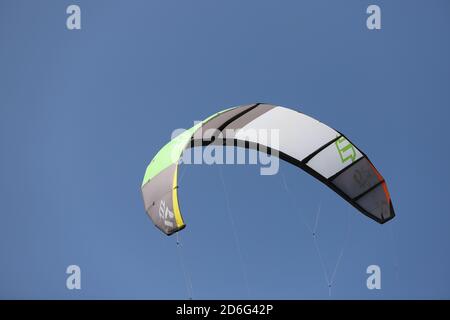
(321, 151)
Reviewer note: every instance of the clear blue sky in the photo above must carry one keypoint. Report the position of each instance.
(83, 112)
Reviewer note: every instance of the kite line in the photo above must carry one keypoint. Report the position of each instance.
(186, 275)
(235, 233)
(329, 277)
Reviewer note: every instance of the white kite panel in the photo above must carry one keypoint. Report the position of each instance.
(299, 135)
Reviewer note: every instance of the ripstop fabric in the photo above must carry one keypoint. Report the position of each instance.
(305, 142)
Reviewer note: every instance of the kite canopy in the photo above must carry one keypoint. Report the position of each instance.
(321, 151)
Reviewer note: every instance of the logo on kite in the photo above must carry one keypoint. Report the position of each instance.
(165, 214)
(345, 149)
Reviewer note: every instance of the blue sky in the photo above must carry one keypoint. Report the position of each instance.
(83, 112)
